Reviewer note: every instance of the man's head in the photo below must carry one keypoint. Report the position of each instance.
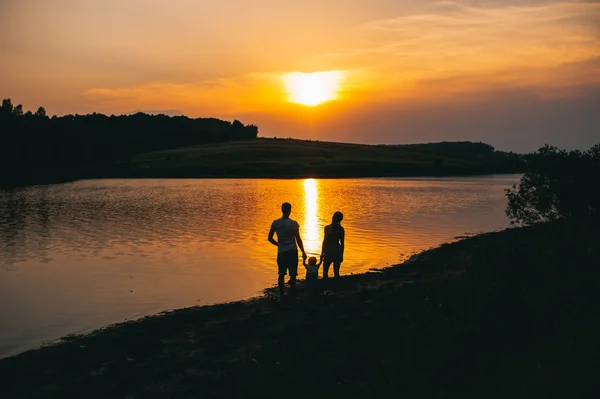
(286, 208)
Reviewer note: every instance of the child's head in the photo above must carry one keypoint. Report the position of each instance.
(312, 261)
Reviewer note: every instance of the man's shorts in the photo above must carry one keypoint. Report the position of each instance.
(288, 261)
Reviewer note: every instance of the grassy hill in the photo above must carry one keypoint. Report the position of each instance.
(300, 158)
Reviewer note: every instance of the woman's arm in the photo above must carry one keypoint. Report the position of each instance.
(324, 240)
(342, 238)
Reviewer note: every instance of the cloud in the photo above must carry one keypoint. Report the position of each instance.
(448, 38)
(569, 79)
(218, 96)
(443, 48)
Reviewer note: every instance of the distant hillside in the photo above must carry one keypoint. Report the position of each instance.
(452, 148)
(299, 158)
(467, 150)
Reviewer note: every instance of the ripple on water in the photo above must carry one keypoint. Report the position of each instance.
(91, 253)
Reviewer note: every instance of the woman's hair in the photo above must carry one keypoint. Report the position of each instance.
(337, 218)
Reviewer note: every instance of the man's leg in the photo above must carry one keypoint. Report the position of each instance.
(281, 269)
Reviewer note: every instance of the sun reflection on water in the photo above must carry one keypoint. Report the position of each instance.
(99, 251)
(310, 228)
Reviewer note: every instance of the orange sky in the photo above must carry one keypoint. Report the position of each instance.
(512, 73)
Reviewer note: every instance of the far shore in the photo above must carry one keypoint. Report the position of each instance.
(44, 182)
(493, 315)
(287, 159)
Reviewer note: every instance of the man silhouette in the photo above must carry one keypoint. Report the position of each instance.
(288, 236)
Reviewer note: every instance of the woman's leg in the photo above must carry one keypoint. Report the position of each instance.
(326, 264)
(336, 268)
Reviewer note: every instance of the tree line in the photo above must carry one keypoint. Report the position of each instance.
(483, 157)
(33, 141)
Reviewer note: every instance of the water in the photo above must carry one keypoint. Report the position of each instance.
(78, 256)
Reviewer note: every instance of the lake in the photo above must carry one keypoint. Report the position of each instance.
(75, 257)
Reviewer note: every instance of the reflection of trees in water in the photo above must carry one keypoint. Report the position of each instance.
(24, 222)
(12, 233)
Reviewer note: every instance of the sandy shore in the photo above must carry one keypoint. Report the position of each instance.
(513, 313)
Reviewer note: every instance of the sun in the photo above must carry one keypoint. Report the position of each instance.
(312, 88)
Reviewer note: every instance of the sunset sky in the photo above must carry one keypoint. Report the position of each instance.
(515, 74)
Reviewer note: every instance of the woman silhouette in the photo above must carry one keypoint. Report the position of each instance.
(333, 245)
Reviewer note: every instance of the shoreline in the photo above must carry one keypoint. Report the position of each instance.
(4, 186)
(267, 293)
(488, 315)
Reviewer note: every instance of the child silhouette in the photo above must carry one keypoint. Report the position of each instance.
(312, 272)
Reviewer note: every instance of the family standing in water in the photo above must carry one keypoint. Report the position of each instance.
(289, 241)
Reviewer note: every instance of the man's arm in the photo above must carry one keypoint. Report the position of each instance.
(271, 239)
(299, 242)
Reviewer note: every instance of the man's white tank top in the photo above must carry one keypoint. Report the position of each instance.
(286, 231)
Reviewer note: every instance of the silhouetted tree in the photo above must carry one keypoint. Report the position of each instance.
(41, 112)
(251, 131)
(7, 107)
(560, 184)
(18, 110)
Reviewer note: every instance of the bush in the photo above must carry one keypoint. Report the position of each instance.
(560, 184)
